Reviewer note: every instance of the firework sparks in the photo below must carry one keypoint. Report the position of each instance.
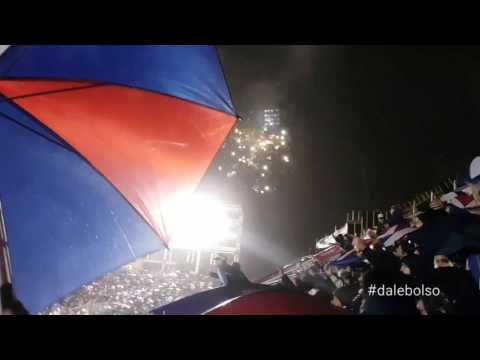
(255, 155)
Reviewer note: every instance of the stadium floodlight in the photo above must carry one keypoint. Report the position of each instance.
(196, 221)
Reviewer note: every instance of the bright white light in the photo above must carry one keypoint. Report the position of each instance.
(265, 167)
(195, 221)
(233, 153)
(262, 175)
(283, 132)
(283, 143)
(286, 158)
(220, 168)
(267, 188)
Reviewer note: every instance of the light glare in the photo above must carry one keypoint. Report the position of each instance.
(195, 221)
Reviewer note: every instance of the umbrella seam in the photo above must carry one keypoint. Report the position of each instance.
(125, 237)
(26, 96)
(36, 132)
(74, 151)
(233, 112)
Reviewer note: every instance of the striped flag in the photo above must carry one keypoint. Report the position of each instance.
(350, 258)
(394, 234)
(459, 199)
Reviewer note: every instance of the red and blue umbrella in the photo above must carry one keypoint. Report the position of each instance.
(94, 140)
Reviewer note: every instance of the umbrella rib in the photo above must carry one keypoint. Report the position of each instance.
(52, 92)
(36, 132)
(125, 237)
(74, 151)
(11, 99)
(233, 113)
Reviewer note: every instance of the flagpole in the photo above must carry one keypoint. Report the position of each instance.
(5, 264)
(197, 262)
(358, 221)
(447, 185)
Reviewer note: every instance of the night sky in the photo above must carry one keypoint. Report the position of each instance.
(370, 125)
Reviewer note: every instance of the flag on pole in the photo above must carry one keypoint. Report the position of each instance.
(395, 233)
(459, 199)
(350, 258)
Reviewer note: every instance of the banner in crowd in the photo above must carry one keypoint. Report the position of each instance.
(350, 258)
(394, 234)
(459, 199)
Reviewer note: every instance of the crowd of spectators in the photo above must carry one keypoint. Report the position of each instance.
(433, 255)
(134, 290)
